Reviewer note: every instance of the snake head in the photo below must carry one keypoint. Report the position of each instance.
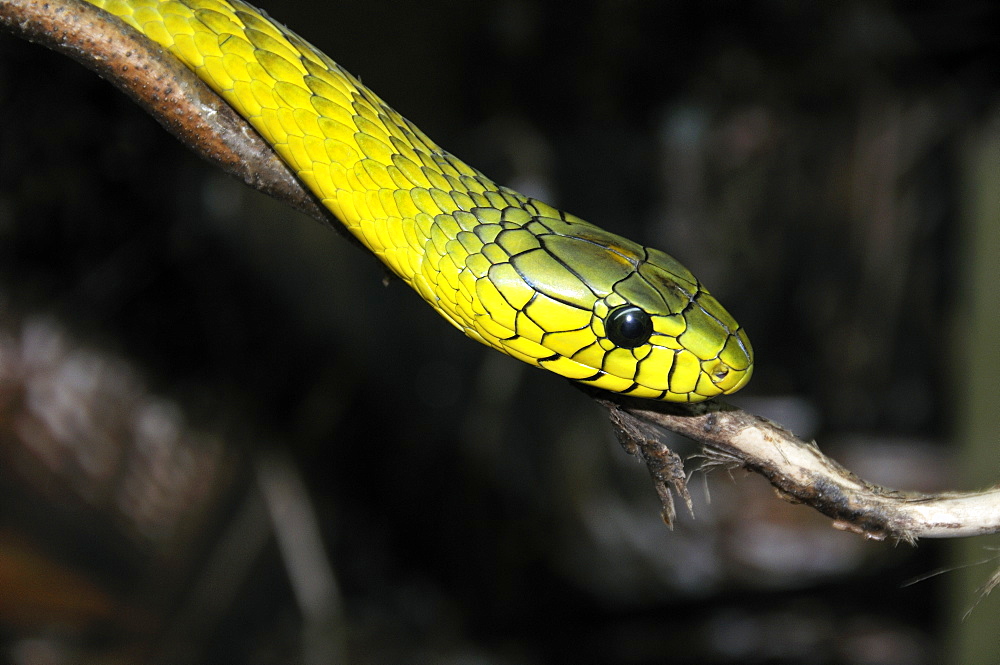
(708, 353)
(600, 309)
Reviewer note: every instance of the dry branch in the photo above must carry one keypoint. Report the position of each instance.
(802, 474)
(731, 437)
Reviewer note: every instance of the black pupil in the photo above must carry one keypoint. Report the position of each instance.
(629, 327)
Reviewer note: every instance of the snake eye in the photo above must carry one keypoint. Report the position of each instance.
(628, 326)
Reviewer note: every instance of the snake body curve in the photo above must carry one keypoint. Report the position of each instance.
(507, 270)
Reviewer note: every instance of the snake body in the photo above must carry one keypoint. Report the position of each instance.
(507, 270)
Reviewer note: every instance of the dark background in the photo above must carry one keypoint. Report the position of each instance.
(174, 349)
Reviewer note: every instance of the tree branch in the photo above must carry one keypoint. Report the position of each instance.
(802, 474)
(165, 88)
(731, 437)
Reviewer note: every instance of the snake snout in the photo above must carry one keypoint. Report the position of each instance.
(729, 379)
(734, 365)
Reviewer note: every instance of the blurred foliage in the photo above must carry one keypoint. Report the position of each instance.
(802, 159)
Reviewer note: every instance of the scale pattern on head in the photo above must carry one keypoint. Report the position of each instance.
(510, 271)
(563, 294)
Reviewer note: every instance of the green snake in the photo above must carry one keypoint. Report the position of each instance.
(507, 270)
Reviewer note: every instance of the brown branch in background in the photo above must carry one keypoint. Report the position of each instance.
(731, 437)
(165, 88)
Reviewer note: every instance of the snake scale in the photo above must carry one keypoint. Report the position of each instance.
(507, 270)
